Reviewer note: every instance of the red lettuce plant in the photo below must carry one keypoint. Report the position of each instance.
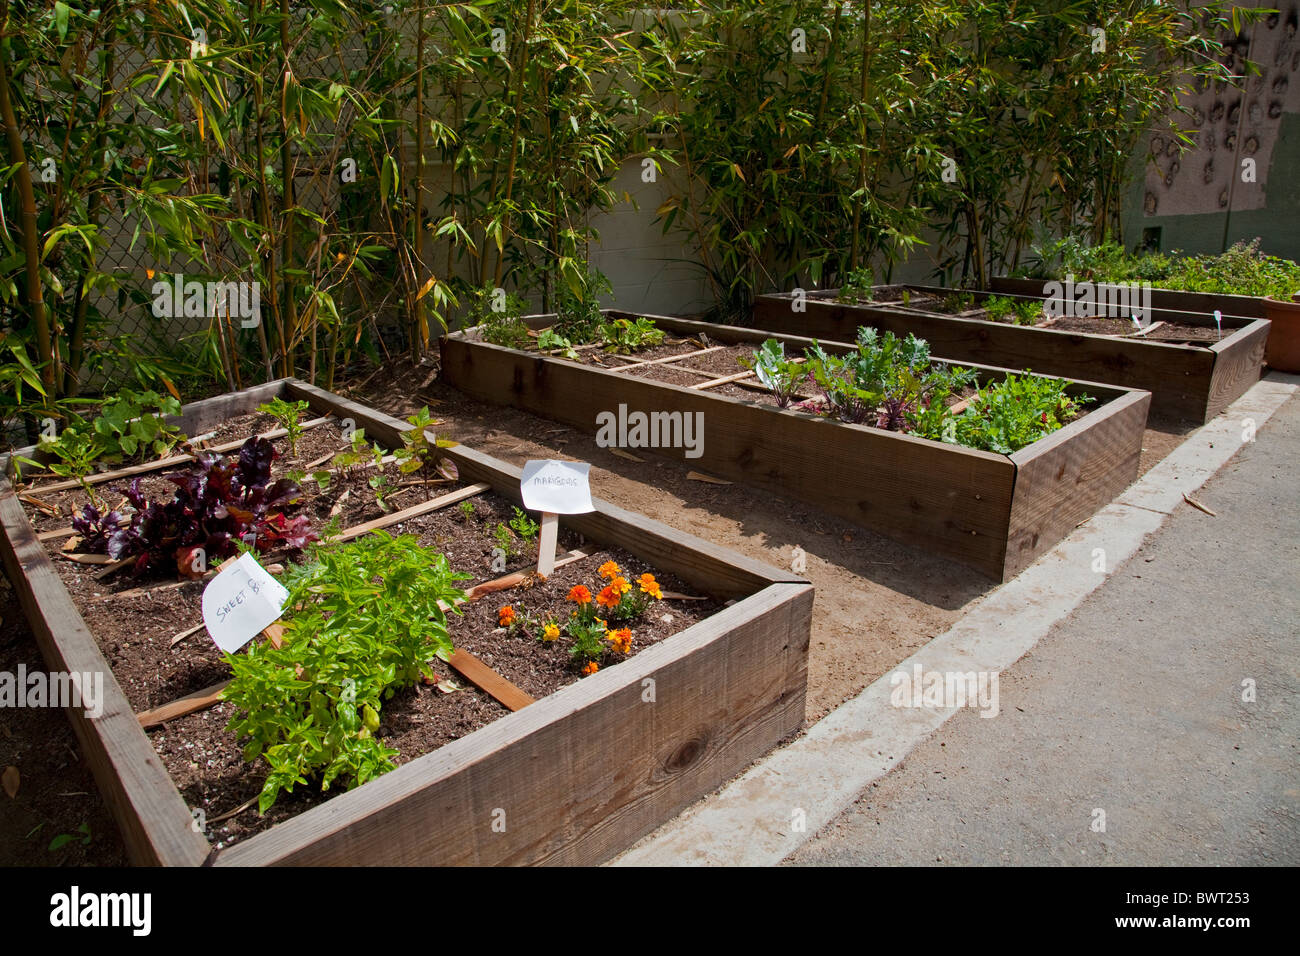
(217, 501)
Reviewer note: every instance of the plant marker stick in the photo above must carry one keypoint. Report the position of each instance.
(546, 543)
(1218, 322)
(1136, 324)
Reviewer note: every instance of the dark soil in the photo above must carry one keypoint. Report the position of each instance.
(1168, 332)
(135, 619)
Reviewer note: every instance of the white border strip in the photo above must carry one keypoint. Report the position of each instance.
(752, 822)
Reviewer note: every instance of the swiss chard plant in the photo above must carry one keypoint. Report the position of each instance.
(779, 375)
(364, 620)
(218, 501)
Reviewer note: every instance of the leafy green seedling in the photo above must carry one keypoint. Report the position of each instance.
(289, 415)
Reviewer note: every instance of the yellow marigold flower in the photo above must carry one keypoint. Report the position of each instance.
(579, 594)
(590, 667)
(609, 569)
(551, 632)
(506, 616)
(620, 585)
(621, 640)
(650, 586)
(608, 597)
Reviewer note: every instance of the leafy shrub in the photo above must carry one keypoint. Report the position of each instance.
(624, 335)
(858, 286)
(363, 621)
(423, 456)
(499, 317)
(1008, 415)
(578, 316)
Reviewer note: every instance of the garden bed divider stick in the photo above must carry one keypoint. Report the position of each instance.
(486, 679)
(424, 507)
(668, 358)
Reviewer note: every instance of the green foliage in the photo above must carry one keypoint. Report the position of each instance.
(625, 335)
(578, 315)
(1242, 270)
(588, 637)
(422, 455)
(75, 453)
(548, 340)
(362, 622)
(380, 483)
(466, 510)
(289, 415)
(1008, 415)
(858, 286)
(887, 382)
(523, 526)
(779, 375)
(1017, 311)
(504, 539)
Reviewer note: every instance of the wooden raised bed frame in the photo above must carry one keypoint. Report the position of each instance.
(1187, 383)
(996, 513)
(581, 774)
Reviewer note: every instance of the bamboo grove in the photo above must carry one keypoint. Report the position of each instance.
(369, 164)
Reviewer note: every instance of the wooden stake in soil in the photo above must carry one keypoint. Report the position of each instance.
(546, 543)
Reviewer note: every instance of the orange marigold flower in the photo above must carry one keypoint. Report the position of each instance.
(620, 585)
(608, 597)
(590, 667)
(506, 616)
(650, 586)
(621, 640)
(609, 569)
(579, 594)
(551, 632)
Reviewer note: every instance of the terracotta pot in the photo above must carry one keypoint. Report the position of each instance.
(1283, 349)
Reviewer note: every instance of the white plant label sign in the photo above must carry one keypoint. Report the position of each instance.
(241, 600)
(557, 487)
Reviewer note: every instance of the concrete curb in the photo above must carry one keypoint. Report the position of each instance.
(768, 812)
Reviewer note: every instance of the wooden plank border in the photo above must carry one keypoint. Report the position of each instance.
(1189, 384)
(584, 772)
(957, 502)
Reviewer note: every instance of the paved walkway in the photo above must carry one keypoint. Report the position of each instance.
(1132, 706)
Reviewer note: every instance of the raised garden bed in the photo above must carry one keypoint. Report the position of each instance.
(573, 777)
(993, 512)
(1192, 374)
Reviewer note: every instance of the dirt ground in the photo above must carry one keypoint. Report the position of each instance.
(877, 601)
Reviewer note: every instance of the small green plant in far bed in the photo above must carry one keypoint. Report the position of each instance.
(892, 384)
(1242, 270)
(1017, 311)
(577, 315)
(548, 340)
(858, 286)
(627, 335)
(958, 302)
(499, 314)
(466, 510)
(365, 623)
(289, 415)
